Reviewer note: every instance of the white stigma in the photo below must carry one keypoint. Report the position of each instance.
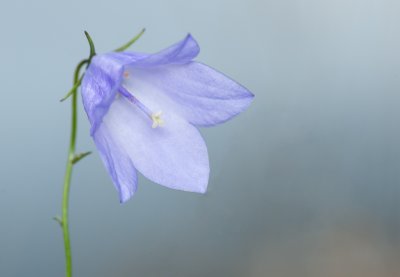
(157, 120)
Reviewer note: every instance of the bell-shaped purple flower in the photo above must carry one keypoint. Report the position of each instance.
(143, 109)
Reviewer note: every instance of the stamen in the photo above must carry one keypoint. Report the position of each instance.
(155, 117)
(157, 120)
(126, 74)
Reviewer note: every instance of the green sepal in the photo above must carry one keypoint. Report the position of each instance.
(80, 156)
(129, 43)
(58, 219)
(72, 90)
(91, 45)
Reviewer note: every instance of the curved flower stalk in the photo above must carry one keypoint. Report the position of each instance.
(144, 110)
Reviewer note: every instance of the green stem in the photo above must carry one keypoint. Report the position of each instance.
(68, 174)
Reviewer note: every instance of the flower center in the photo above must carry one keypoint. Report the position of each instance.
(154, 116)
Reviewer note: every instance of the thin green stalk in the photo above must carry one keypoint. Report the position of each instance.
(73, 89)
(68, 174)
(129, 43)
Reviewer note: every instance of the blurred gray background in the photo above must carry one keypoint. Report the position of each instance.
(304, 183)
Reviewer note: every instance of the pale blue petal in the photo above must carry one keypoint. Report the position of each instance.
(181, 52)
(200, 94)
(173, 155)
(99, 86)
(117, 163)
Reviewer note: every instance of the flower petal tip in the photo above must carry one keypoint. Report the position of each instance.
(251, 97)
(190, 40)
(123, 198)
(201, 187)
(202, 190)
